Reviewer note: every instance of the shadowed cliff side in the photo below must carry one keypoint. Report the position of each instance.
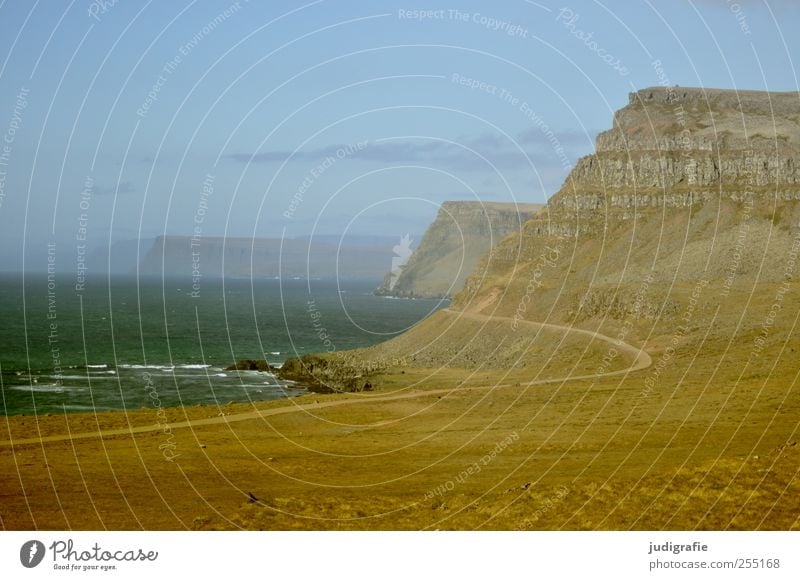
(452, 246)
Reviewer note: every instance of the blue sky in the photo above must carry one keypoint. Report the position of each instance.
(332, 117)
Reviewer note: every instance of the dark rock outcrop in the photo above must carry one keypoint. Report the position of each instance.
(326, 374)
(252, 365)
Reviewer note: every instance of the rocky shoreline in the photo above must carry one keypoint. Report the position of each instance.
(318, 373)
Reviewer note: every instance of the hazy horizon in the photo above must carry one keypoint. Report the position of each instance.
(126, 121)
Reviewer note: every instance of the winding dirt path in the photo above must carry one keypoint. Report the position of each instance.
(642, 360)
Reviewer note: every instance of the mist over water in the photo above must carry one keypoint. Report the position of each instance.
(100, 349)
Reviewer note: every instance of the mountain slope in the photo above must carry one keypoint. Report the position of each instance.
(681, 233)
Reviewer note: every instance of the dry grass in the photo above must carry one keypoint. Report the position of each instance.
(683, 457)
(703, 439)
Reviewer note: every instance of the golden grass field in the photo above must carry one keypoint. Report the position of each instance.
(712, 444)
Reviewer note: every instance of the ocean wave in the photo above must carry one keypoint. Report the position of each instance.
(248, 372)
(167, 367)
(47, 388)
(79, 377)
(138, 366)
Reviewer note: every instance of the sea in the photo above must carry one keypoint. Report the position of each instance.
(123, 343)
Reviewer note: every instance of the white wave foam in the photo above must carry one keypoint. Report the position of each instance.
(146, 366)
(71, 377)
(47, 388)
(87, 408)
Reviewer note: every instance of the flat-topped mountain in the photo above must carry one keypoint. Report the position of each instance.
(452, 246)
(266, 258)
(704, 119)
(673, 146)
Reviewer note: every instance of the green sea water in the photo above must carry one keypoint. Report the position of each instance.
(63, 350)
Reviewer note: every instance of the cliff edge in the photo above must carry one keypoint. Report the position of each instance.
(452, 246)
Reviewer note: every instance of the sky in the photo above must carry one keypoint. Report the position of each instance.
(132, 119)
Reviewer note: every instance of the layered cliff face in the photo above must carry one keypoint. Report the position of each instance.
(689, 185)
(681, 146)
(264, 258)
(452, 246)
